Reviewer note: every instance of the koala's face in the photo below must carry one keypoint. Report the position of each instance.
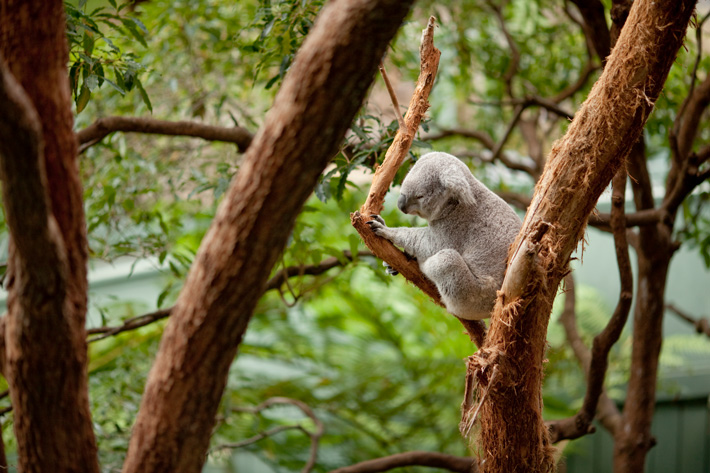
(422, 192)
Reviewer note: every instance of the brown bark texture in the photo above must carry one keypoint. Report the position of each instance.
(508, 369)
(315, 105)
(104, 126)
(44, 332)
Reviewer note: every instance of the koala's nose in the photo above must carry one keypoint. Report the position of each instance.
(402, 203)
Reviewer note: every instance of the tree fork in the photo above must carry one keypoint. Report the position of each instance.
(579, 168)
(320, 95)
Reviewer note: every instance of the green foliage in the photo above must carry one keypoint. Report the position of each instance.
(278, 29)
(93, 51)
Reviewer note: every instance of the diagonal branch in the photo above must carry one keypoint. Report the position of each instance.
(701, 324)
(303, 407)
(276, 281)
(102, 127)
(384, 176)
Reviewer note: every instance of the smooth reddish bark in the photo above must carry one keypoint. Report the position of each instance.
(45, 359)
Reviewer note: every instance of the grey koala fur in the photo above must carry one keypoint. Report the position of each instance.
(463, 249)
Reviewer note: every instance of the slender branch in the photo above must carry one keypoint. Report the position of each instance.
(130, 324)
(580, 424)
(258, 437)
(414, 458)
(606, 412)
(384, 176)
(635, 219)
(305, 408)
(514, 50)
(102, 127)
(701, 324)
(275, 282)
(393, 97)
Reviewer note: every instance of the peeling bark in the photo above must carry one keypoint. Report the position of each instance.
(508, 368)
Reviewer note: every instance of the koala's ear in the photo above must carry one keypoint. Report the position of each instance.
(458, 186)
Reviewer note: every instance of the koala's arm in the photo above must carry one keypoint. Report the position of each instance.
(411, 240)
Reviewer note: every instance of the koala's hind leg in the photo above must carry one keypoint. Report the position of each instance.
(465, 294)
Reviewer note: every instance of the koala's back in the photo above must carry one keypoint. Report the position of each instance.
(481, 231)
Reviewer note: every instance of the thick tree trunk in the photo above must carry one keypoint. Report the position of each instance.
(509, 367)
(318, 99)
(44, 335)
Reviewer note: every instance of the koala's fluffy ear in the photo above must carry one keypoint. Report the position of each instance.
(458, 186)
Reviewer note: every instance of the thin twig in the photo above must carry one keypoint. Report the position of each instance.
(701, 324)
(258, 437)
(305, 408)
(275, 282)
(393, 97)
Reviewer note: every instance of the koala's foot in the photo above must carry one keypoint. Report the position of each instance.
(390, 270)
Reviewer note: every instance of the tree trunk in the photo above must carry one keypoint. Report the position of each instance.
(44, 335)
(317, 101)
(509, 367)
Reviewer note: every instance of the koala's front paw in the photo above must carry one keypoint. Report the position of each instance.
(377, 224)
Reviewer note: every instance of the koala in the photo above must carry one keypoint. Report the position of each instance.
(463, 250)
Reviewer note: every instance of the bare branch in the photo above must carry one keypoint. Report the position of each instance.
(305, 408)
(258, 437)
(393, 97)
(514, 50)
(276, 281)
(102, 127)
(606, 411)
(415, 458)
(403, 139)
(701, 324)
(610, 335)
(384, 175)
(130, 324)
(636, 219)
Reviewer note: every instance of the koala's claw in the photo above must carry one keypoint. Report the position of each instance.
(376, 224)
